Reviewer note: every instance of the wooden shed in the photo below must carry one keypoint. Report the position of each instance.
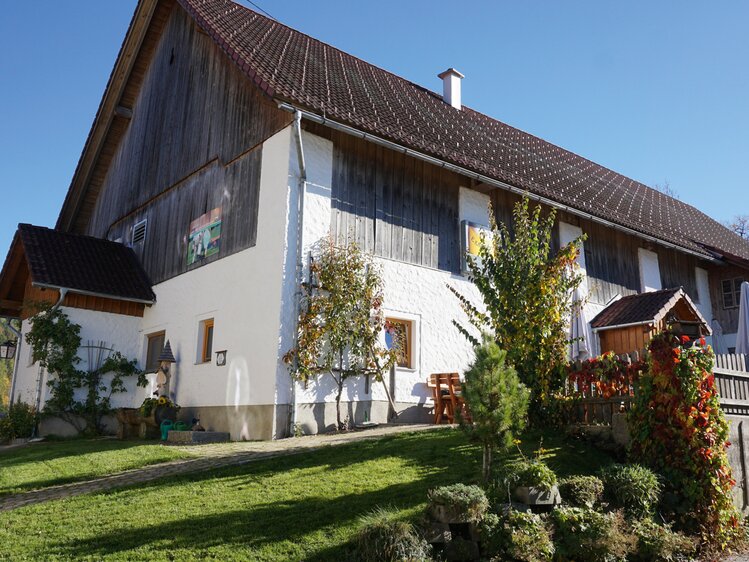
(629, 323)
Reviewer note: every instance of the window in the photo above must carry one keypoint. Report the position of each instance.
(206, 341)
(154, 348)
(731, 289)
(399, 336)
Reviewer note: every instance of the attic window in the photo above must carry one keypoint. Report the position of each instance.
(139, 232)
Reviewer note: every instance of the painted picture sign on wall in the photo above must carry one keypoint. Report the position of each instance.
(472, 234)
(204, 239)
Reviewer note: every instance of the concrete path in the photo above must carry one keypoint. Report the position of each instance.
(208, 457)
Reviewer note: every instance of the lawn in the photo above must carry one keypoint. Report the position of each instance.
(59, 462)
(292, 508)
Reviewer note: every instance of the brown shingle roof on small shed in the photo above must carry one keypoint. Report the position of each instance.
(84, 264)
(639, 309)
(295, 67)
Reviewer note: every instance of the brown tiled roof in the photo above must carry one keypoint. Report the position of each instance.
(84, 264)
(294, 67)
(634, 309)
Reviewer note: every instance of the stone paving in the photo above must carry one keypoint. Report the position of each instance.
(206, 457)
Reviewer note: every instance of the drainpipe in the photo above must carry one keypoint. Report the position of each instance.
(13, 375)
(301, 189)
(40, 377)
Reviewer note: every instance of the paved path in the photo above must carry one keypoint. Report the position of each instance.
(208, 457)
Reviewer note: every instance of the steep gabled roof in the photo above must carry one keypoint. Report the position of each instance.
(296, 68)
(643, 308)
(82, 264)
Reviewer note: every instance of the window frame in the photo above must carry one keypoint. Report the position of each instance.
(409, 325)
(206, 343)
(153, 335)
(734, 292)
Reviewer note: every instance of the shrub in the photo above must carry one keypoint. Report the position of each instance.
(459, 503)
(532, 473)
(658, 542)
(581, 491)
(383, 537)
(678, 428)
(584, 534)
(18, 423)
(519, 536)
(496, 399)
(632, 487)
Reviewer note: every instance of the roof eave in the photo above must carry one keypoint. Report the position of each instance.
(92, 293)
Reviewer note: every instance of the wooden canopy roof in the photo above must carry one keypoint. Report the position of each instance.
(42, 259)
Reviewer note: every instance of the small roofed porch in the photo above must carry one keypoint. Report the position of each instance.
(100, 285)
(628, 324)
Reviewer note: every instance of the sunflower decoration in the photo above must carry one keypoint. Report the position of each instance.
(163, 400)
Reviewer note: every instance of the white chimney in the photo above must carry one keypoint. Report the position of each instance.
(451, 87)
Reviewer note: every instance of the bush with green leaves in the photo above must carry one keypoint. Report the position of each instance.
(496, 399)
(529, 472)
(385, 537)
(526, 290)
(581, 491)
(659, 543)
(632, 487)
(18, 423)
(516, 536)
(585, 534)
(458, 502)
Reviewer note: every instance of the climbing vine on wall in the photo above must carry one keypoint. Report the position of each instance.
(80, 397)
(678, 428)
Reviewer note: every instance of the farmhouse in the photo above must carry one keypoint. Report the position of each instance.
(227, 145)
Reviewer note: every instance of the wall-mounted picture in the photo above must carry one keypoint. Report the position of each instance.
(204, 239)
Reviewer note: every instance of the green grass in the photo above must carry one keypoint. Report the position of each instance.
(300, 507)
(58, 462)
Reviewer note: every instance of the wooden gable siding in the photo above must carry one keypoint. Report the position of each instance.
(193, 143)
(394, 206)
(35, 295)
(677, 270)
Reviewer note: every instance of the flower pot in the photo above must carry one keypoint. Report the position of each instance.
(530, 495)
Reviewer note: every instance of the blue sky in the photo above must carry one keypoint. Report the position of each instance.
(655, 90)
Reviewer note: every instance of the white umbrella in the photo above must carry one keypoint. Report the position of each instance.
(742, 337)
(581, 335)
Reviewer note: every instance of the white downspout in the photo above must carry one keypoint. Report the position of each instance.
(299, 257)
(40, 377)
(14, 374)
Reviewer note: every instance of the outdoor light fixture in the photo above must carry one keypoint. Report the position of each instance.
(8, 350)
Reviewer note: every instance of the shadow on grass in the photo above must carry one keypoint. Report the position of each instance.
(284, 527)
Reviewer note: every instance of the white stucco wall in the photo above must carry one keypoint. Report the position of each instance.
(114, 331)
(412, 292)
(243, 294)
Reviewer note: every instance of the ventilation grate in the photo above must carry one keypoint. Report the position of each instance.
(139, 232)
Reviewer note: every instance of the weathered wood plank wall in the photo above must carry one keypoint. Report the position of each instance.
(728, 317)
(394, 206)
(194, 143)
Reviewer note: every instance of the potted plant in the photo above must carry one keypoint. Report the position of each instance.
(458, 503)
(533, 483)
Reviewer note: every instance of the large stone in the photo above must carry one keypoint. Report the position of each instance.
(531, 495)
(620, 429)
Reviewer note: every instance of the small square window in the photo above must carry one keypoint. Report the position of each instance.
(399, 336)
(206, 341)
(731, 289)
(154, 348)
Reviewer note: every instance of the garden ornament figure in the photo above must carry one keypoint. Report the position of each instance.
(163, 376)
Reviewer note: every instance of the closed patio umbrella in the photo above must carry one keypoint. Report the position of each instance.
(580, 333)
(742, 337)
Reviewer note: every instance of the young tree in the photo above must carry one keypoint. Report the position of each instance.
(341, 321)
(526, 289)
(55, 343)
(497, 400)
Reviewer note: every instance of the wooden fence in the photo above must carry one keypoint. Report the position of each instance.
(731, 376)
